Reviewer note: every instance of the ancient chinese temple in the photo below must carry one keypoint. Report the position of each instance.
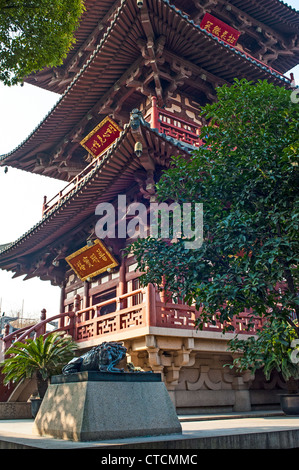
(131, 91)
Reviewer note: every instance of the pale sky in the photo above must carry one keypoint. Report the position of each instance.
(21, 197)
(21, 194)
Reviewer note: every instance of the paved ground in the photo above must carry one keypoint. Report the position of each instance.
(270, 430)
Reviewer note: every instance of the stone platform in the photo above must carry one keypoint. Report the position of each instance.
(250, 430)
(90, 406)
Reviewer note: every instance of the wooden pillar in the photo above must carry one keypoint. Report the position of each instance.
(77, 300)
(6, 329)
(44, 205)
(72, 324)
(61, 305)
(43, 316)
(62, 297)
(163, 293)
(151, 319)
(154, 114)
(86, 294)
(122, 286)
(7, 343)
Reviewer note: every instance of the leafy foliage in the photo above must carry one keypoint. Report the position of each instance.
(246, 175)
(270, 350)
(43, 356)
(34, 35)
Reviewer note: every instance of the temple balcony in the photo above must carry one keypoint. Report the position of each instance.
(160, 336)
(140, 312)
(171, 125)
(165, 122)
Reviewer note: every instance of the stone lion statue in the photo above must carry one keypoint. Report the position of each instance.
(101, 358)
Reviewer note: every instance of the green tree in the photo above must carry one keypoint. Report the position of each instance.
(273, 348)
(40, 358)
(246, 175)
(35, 34)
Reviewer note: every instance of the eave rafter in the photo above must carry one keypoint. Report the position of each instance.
(59, 78)
(137, 79)
(107, 104)
(272, 43)
(154, 41)
(49, 265)
(152, 51)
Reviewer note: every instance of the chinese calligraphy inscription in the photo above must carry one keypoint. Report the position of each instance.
(101, 137)
(220, 29)
(90, 261)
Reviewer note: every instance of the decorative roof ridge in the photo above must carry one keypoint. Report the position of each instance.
(4, 246)
(285, 4)
(6, 155)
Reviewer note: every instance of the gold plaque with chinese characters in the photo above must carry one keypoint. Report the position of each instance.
(219, 29)
(90, 261)
(101, 137)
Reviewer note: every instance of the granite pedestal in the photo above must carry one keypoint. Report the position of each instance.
(89, 406)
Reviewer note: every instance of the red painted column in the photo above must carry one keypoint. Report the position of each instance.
(86, 295)
(122, 286)
(154, 114)
(42, 329)
(7, 342)
(151, 305)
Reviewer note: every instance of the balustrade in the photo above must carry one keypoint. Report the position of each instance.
(66, 326)
(71, 186)
(129, 314)
(173, 126)
(166, 122)
(184, 317)
(90, 323)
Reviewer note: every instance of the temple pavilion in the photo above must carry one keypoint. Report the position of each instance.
(131, 91)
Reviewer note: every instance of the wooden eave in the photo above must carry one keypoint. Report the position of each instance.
(274, 13)
(115, 53)
(93, 24)
(114, 175)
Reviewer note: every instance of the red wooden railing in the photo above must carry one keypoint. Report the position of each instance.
(91, 324)
(184, 317)
(184, 131)
(40, 329)
(71, 186)
(167, 123)
(134, 310)
(173, 126)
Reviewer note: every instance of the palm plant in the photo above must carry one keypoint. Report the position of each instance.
(41, 358)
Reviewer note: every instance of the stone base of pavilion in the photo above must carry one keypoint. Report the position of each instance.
(90, 406)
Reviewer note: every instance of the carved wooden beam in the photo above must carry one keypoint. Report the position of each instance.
(204, 6)
(271, 42)
(196, 70)
(64, 75)
(148, 51)
(103, 106)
